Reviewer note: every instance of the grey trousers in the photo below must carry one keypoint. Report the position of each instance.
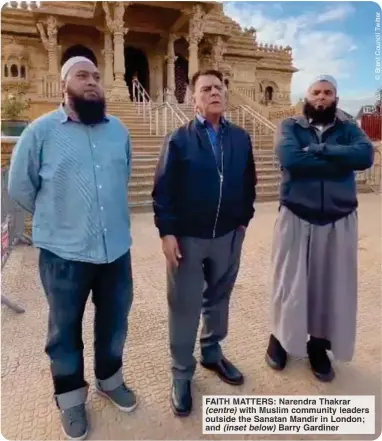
(215, 262)
(315, 283)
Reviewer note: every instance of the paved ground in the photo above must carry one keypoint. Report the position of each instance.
(28, 411)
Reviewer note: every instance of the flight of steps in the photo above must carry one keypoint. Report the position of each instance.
(145, 153)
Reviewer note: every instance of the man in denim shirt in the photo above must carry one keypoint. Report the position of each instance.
(316, 234)
(70, 168)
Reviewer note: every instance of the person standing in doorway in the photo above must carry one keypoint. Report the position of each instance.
(70, 168)
(316, 234)
(204, 196)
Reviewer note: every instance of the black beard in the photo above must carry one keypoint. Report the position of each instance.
(320, 116)
(89, 111)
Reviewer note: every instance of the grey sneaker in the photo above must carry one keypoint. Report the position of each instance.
(74, 422)
(122, 397)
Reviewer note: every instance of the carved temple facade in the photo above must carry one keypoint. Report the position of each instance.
(161, 43)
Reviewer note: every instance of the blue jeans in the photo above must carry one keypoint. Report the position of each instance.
(67, 285)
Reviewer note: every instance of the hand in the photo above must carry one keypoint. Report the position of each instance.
(305, 149)
(171, 250)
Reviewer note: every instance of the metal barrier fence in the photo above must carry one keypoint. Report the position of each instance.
(12, 230)
(372, 177)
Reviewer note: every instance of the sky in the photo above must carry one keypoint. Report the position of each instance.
(336, 38)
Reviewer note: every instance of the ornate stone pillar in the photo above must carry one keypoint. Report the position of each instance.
(115, 25)
(108, 56)
(171, 58)
(218, 50)
(196, 31)
(49, 40)
(156, 74)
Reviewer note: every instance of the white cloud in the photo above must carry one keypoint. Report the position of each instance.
(339, 12)
(316, 50)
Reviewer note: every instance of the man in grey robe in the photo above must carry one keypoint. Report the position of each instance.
(314, 256)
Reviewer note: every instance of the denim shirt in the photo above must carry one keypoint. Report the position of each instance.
(213, 135)
(73, 179)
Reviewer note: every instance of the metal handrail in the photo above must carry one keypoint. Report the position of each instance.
(141, 99)
(171, 119)
(180, 112)
(172, 115)
(260, 118)
(372, 177)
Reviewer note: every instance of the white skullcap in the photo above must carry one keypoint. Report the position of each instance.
(71, 62)
(327, 78)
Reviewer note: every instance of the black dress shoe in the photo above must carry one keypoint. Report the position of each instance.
(319, 360)
(276, 356)
(181, 398)
(226, 371)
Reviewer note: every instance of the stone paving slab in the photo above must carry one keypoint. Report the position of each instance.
(28, 410)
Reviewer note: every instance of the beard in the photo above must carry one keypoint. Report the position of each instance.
(321, 115)
(89, 111)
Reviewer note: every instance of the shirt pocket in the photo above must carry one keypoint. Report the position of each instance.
(116, 157)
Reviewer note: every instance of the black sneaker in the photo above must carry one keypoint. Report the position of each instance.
(276, 356)
(319, 360)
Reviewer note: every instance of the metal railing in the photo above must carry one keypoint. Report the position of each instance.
(164, 118)
(12, 231)
(261, 130)
(141, 99)
(372, 177)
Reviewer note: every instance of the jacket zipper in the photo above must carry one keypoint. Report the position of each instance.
(221, 179)
(319, 140)
(219, 203)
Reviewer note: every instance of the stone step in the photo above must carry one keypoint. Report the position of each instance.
(139, 140)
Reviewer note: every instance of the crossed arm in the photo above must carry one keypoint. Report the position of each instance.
(323, 158)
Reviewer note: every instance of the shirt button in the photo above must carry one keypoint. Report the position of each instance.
(101, 208)
(100, 186)
(93, 146)
(97, 166)
(105, 230)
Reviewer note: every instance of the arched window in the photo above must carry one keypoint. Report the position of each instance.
(268, 93)
(14, 71)
(23, 72)
(6, 73)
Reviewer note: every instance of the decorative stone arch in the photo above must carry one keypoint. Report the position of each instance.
(78, 50)
(15, 62)
(268, 90)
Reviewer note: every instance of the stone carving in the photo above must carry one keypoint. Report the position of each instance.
(251, 32)
(197, 23)
(286, 51)
(49, 37)
(14, 50)
(219, 48)
(116, 23)
(238, 54)
(49, 41)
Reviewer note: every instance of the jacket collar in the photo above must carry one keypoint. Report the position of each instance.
(341, 116)
(202, 122)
